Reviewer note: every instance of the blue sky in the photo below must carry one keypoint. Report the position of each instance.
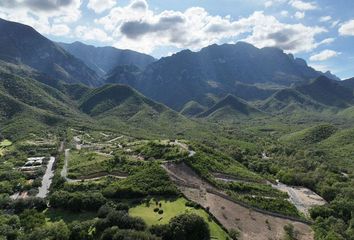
(320, 31)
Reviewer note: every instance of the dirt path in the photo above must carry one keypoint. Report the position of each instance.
(302, 198)
(115, 139)
(191, 153)
(64, 171)
(252, 224)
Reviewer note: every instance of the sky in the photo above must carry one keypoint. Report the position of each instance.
(320, 31)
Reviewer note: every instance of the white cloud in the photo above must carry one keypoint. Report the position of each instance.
(347, 28)
(299, 15)
(284, 13)
(47, 17)
(334, 23)
(60, 30)
(320, 67)
(89, 33)
(100, 6)
(267, 31)
(326, 41)
(325, 18)
(268, 4)
(137, 27)
(302, 5)
(324, 55)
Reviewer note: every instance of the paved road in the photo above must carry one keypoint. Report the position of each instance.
(47, 179)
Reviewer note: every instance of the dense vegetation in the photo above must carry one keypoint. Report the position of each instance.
(288, 127)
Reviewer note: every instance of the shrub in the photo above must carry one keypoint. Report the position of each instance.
(188, 227)
(234, 234)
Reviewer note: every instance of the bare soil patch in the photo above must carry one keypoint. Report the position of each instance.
(252, 225)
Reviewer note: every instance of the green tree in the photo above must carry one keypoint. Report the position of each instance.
(30, 219)
(188, 227)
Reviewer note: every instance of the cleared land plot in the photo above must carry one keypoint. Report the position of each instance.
(172, 208)
(253, 225)
(84, 163)
(302, 198)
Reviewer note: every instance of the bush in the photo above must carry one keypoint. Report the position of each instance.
(193, 205)
(290, 233)
(234, 234)
(188, 227)
(104, 210)
(115, 233)
(20, 205)
(78, 201)
(122, 220)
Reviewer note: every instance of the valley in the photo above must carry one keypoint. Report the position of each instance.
(104, 143)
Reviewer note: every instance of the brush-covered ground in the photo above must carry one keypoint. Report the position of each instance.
(113, 176)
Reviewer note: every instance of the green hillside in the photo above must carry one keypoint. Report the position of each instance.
(328, 92)
(289, 101)
(230, 108)
(121, 107)
(192, 108)
(310, 135)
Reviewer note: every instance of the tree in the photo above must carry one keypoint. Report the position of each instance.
(54, 231)
(234, 234)
(290, 233)
(30, 219)
(188, 227)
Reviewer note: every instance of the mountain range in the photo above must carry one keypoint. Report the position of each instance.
(239, 69)
(23, 45)
(44, 83)
(104, 59)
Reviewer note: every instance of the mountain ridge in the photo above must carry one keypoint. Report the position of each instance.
(22, 44)
(104, 59)
(219, 69)
(230, 107)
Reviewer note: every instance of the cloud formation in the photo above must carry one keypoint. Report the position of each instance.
(41, 5)
(100, 6)
(137, 27)
(46, 16)
(347, 28)
(302, 5)
(325, 18)
(324, 55)
(89, 33)
(299, 15)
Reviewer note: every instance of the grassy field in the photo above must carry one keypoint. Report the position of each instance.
(3, 144)
(172, 208)
(83, 163)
